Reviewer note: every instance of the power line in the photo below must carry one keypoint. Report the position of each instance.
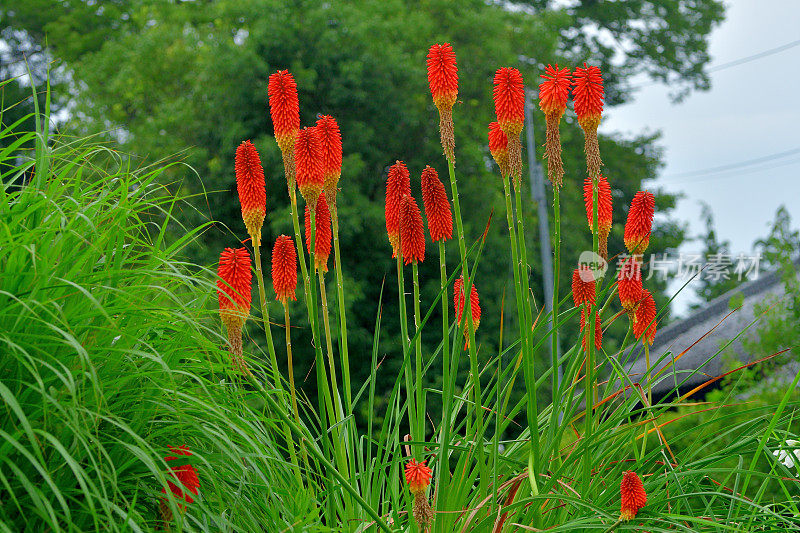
(738, 173)
(732, 166)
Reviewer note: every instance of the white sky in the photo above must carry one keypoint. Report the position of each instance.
(751, 111)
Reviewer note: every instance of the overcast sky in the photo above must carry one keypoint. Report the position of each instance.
(750, 112)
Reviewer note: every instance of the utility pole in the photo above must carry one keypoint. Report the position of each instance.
(537, 192)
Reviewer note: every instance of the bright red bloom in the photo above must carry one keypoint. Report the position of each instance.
(186, 475)
(588, 94)
(604, 205)
(443, 75)
(284, 107)
(397, 185)
(598, 330)
(640, 222)
(583, 291)
(437, 206)
(322, 233)
(418, 476)
(644, 321)
(308, 162)
(474, 302)
(233, 287)
(498, 146)
(284, 269)
(331, 139)
(554, 91)
(412, 231)
(509, 100)
(629, 284)
(250, 185)
(632, 494)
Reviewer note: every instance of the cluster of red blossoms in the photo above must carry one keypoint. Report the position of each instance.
(183, 483)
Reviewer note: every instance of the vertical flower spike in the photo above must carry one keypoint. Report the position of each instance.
(250, 185)
(583, 287)
(640, 222)
(284, 269)
(632, 494)
(284, 108)
(437, 206)
(412, 232)
(187, 484)
(644, 321)
(443, 81)
(322, 235)
(509, 106)
(629, 285)
(234, 296)
(498, 146)
(474, 302)
(598, 330)
(604, 210)
(397, 185)
(308, 159)
(553, 96)
(418, 477)
(588, 95)
(331, 139)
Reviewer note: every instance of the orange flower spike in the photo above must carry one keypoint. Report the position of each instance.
(629, 284)
(250, 185)
(233, 287)
(398, 184)
(509, 105)
(331, 139)
(644, 321)
(583, 287)
(308, 160)
(412, 232)
(322, 234)
(186, 476)
(437, 206)
(604, 210)
(640, 222)
(418, 476)
(498, 146)
(284, 269)
(588, 94)
(443, 81)
(474, 302)
(284, 107)
(554, 91)
(598, 330)
(632, 495)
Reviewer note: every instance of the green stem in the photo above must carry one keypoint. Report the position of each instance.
(329, 345)
(443, 472)
(412, 413)
(418, 344)
(344, 354)
(292, 388)
(589, 385)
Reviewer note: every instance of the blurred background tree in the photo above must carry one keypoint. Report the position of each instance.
(189, 78)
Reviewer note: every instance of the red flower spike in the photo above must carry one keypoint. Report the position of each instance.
(583, 287)
(598, 330)
(498, 146)
(250, 185)
(398, 185)
(284, 269)
(322, 233)
(509, 100)
(418, 476)
(474, 302)
(554, 91)
(331, 139)
(443, 75)
(412, 232)
(604, 210)
(437, 206)
(233, 287)
(588, 94)
(186, 475)
(632, 494)
(308, 163)
(284, 107)
(629, 284)
(644, 321)
(640, 222)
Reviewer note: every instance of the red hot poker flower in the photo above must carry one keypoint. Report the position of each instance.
(186, 475)
(284, 107)
(398, 185)
(474, 302)
(604, 210)
(583, 287)
(308, 160)
(498, 146)
(233, 287)
(640, 222)
(331, 139)
(554, 91)
(412, 232)
(598, 330)
(284, 269)
(437, 206)
(418, 476)
(632, 494)
(322, 233)
(509, 100)
(644, 321)
(588, 94)
(250, 185)
(629, 284)
(443, 75)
